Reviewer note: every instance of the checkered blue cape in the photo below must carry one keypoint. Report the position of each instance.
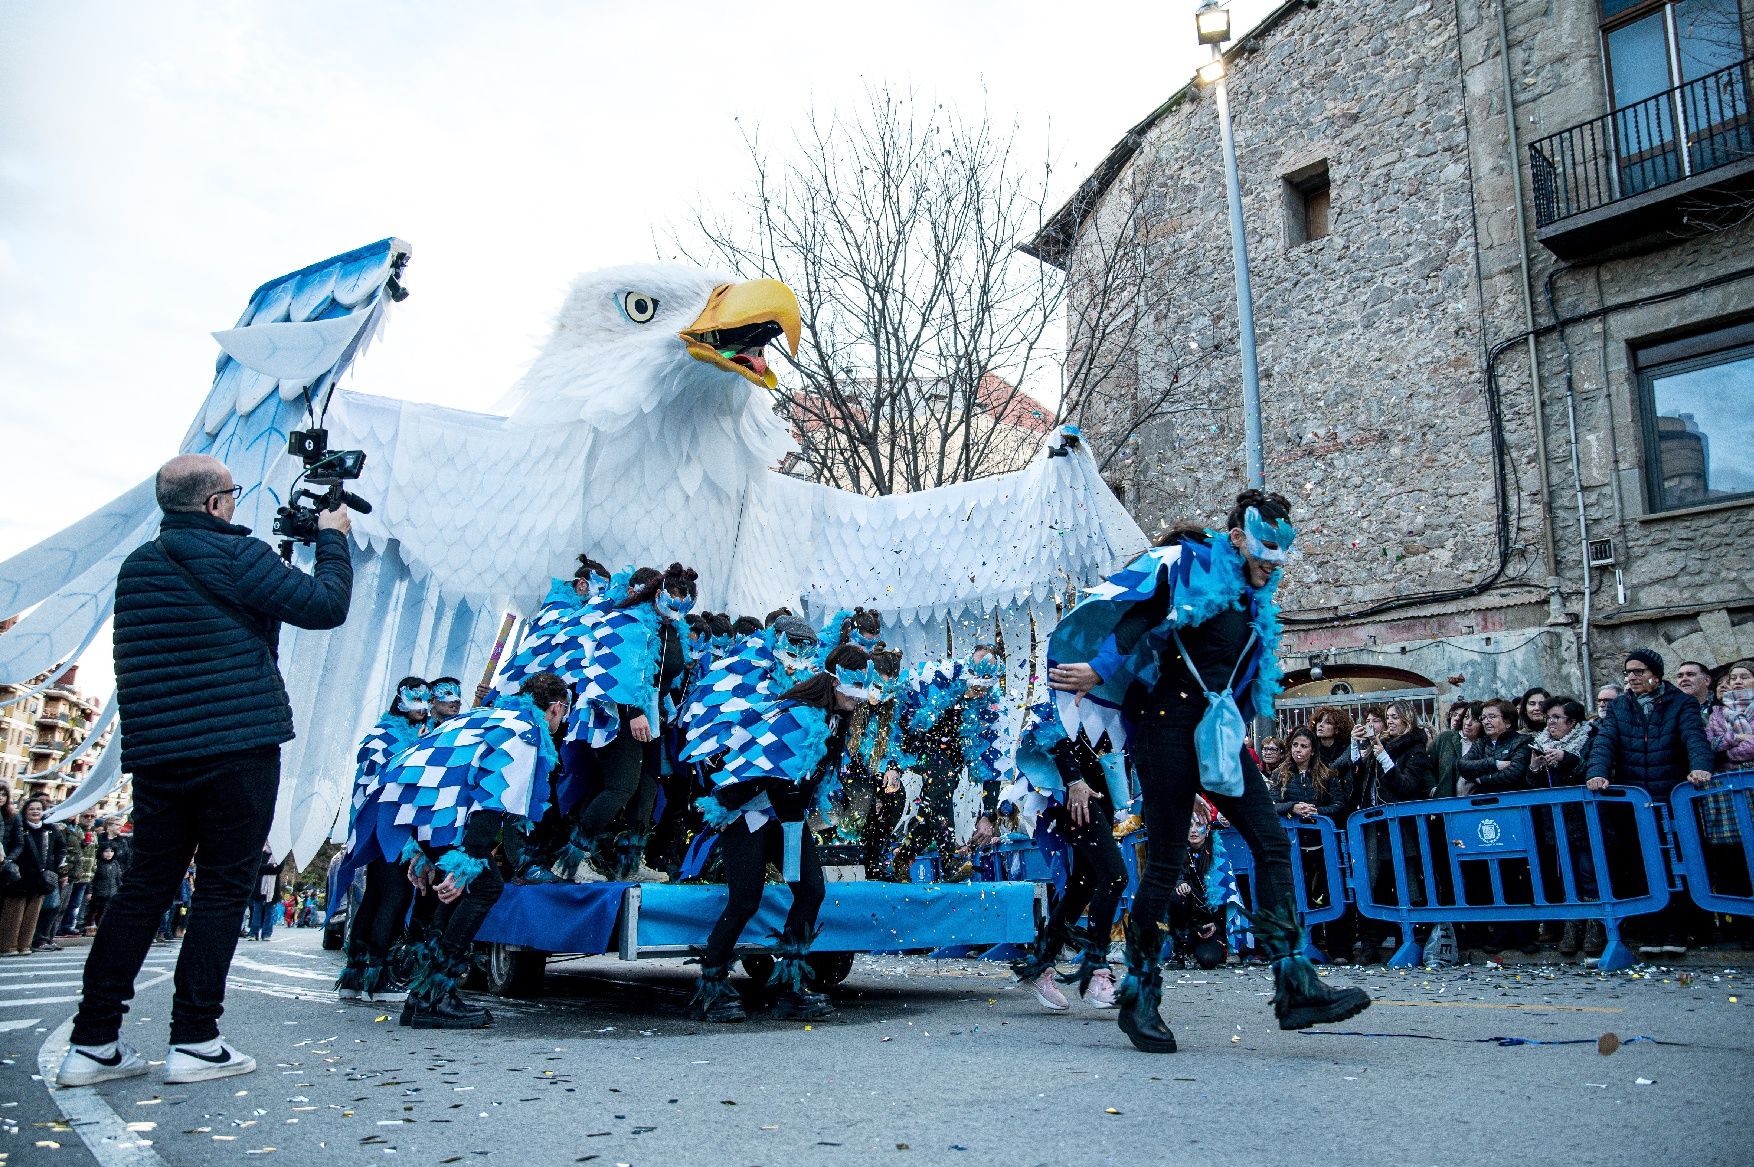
(390, 736)
(493, 758)
(1205, 578)
(557, 639)
(728, 687)
(1222, 889)
(782, 740)
(622, 670)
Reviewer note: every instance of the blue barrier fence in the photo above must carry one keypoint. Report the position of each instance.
(1714, 835)
(1318, 873)
(1529, 856)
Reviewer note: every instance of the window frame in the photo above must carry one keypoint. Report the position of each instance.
(1705, 349)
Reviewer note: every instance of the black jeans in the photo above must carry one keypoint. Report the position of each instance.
(1169, 776)
(456, 923)
(746, 855)
(1098, 875)
(383, 910)
(220, 808)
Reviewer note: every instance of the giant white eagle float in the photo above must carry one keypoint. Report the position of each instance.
(643, 434)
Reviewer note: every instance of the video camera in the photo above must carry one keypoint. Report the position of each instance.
(297, 523)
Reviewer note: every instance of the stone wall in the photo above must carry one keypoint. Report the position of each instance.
(1374, 341)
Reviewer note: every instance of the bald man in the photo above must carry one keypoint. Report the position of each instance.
(203, 716)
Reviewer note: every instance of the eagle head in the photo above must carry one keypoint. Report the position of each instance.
(641, 339)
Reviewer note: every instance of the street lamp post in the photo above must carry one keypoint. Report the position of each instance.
(1213, 25)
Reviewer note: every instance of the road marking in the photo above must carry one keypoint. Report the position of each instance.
(29, 985)
(298, 973)
(26, 1023)
(1488, 1005)
(106, 1136)
(157, 979)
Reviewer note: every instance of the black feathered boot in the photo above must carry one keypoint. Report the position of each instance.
(1300, 997)
(793, 999)
(433, 1000)
(1043, 955)
(714, 998)
(1141, 992)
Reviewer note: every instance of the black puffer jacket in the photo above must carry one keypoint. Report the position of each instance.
(1480, 764)
(191, 682)
(1654, 752)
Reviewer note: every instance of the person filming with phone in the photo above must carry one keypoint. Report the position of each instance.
(204, 713)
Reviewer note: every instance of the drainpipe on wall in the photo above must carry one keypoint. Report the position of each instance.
(1556, 613)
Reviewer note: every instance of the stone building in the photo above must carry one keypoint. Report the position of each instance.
(40, 725)
(1503, 269)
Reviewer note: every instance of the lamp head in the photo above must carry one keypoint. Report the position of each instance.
(1212, 22)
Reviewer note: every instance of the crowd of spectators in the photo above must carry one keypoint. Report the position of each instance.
(57, 880)
(1647, 732)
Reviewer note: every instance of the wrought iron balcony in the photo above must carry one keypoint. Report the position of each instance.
(1680, 136)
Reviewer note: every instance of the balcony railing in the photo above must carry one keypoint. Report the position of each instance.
(1684, 131)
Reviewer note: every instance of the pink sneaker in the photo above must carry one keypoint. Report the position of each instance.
(1101, 993)
(1048, 993)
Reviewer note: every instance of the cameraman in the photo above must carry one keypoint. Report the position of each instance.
(203, 714)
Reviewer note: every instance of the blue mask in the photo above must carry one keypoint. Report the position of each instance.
(854, 636)
(1268, 542)
(446, 691)
(674, 607)
(414, 698)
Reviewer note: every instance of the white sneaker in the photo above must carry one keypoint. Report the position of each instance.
(1048, 993)
(648, 875)
(199, 1063)
(87, 1065)
(388, 995)
(347, 994)
(1101, 993)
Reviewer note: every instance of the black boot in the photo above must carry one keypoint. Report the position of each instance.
(433, 1000)
(714, 998)
(1141, 992)
(792, 974)
(1300, 998)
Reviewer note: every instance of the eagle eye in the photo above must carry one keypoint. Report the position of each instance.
(638, 307)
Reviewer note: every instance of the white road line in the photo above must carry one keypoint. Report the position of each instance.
(298, 973)
(157, 979)
(26, 986)
(106, 1136)
(26, 1023)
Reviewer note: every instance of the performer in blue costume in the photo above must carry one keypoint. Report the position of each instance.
(444, 805)
(781, 759)
(1072, 791)
(1189, 624)
(556, 640)
(383, 905)
(948, 724)
(631, 694)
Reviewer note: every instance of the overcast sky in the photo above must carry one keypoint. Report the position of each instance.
(159, 160)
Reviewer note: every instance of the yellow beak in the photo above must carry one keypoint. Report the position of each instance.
(737, 306)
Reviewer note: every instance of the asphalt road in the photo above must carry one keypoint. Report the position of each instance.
(926, 1062)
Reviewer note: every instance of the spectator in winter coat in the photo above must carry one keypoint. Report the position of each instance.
(33, 846)
(81, 863)
(1499, 762)
(1605, 696)
(106, 877)
(1557, 754)
(1694, 679)
(1390, 759)
(1304, 786)
(1531, 715)
(1730, 728)
(1652, 736)
(1449, 746)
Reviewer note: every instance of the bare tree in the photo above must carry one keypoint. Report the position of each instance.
(898, 226)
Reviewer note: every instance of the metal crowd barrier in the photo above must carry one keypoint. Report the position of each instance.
(1320, 904)
(1566, 854)
(1714, 835)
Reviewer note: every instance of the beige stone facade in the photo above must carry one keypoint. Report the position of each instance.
(1400, 408)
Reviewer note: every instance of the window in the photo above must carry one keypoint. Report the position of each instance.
(1698, 406)
(1306, 204)
(1671, 76)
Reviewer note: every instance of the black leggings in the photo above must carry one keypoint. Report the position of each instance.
(1098, 875)
(1169, 776)
(383, 909)
(746, 855)
(627, 768)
